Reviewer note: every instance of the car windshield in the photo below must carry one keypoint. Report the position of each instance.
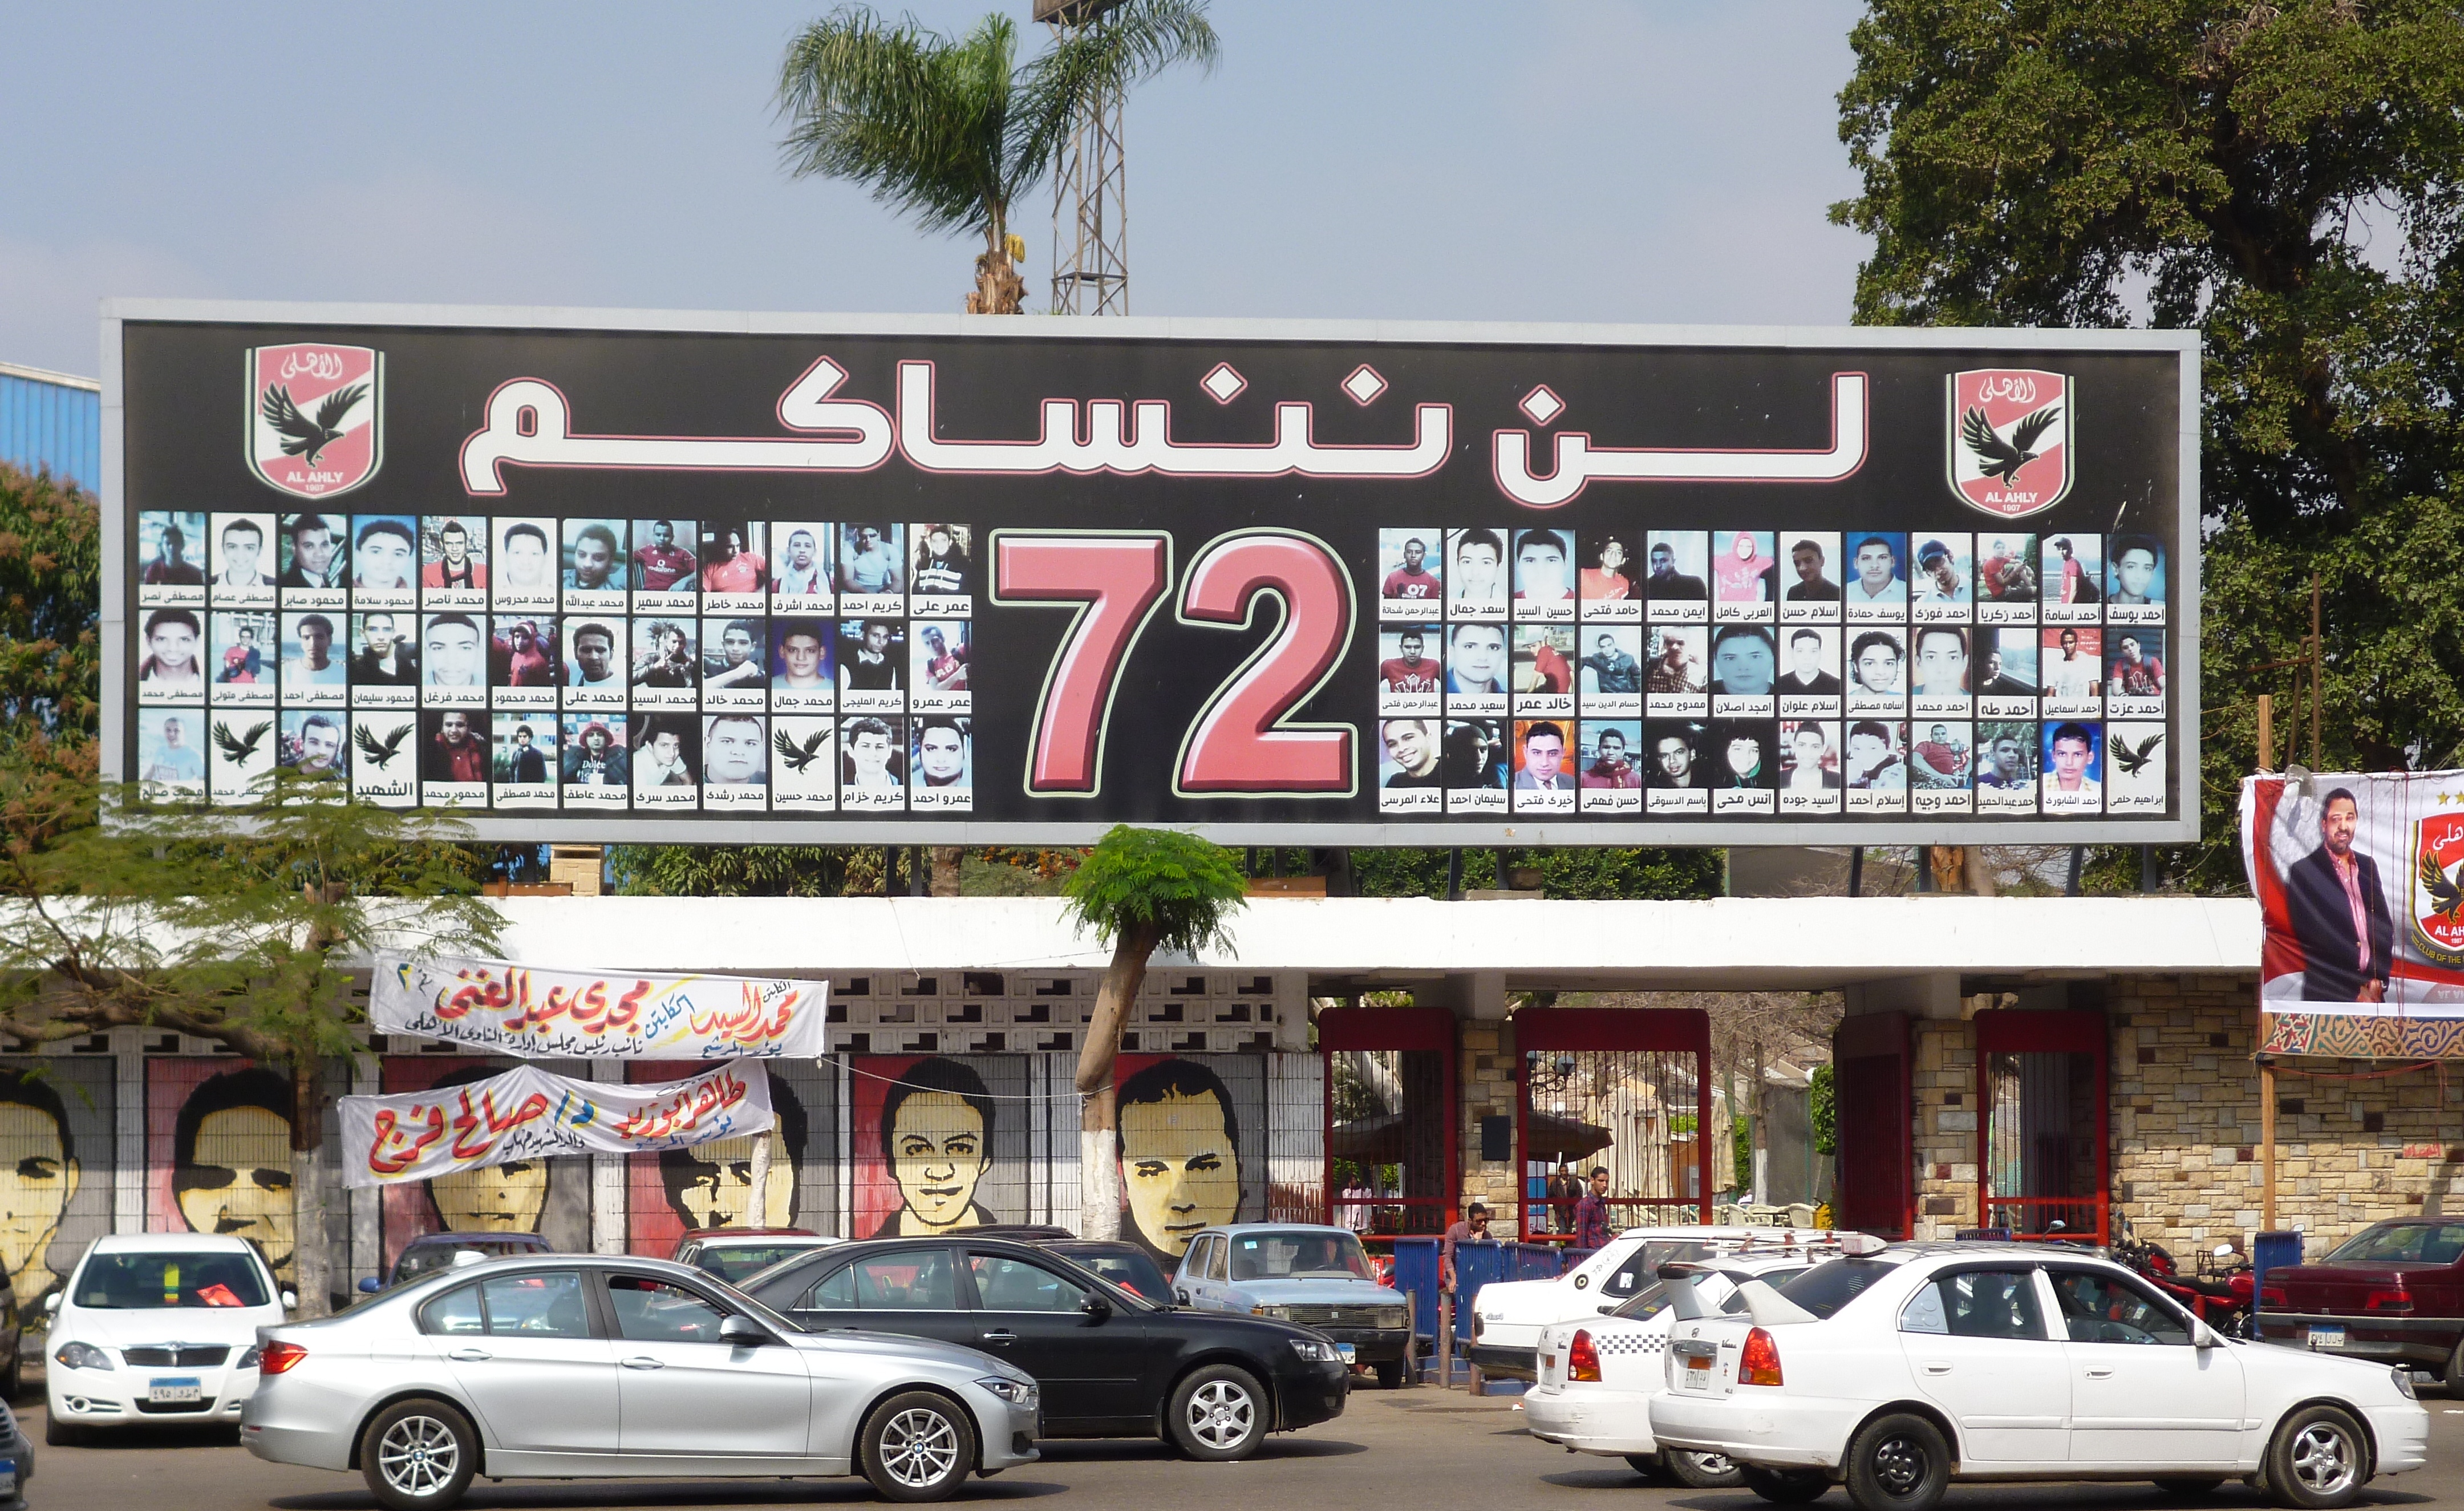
(1127, 1268)
(1827, 1287)
(1288, 1256)
(429, 1258)
(2425, 1243)
(1658, 1297)
(151, 1282)
(741, 1262)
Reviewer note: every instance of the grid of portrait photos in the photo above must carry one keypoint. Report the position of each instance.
(678, 663)
(1538, 670)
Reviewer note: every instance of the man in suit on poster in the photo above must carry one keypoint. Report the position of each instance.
(2340, 911)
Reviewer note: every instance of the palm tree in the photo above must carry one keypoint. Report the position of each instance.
(1141, 890)
(953, 131)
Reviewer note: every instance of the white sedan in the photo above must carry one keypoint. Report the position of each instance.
(1898, 1370)
(156, 1329)
(1596, 1377)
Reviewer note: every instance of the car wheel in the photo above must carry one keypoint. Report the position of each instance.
(1217, 1413)
(1899, 1463)
(1786, 1487)
(1389, 1374)
(2453, 1377)
(12, 1376)
(918, 1446)
(2319, 1459)
(2188, 1484)
(418, 1456)
(1703, 1471)
(1647, 1465)
(57, 1433)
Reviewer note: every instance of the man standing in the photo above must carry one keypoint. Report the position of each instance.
(2340, 911)
(1592, 1229)
(2071, 675)
(1413, 580)
(1472, 1229)
(526, 763)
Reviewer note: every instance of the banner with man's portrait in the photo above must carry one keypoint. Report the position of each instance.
(548, 1196)
(2360, 880)
(520, 1010)
(681, 1190)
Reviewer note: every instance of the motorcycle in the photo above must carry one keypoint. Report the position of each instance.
(2220, 1297)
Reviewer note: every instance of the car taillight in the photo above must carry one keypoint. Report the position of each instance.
(1759, 1361)
(1583, 1359)
(280, 1356)
(2398, 1300)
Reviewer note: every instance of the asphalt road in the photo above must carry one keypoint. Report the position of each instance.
(1419, 1450)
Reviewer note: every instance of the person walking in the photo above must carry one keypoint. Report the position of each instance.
(1472, 1229)
(1592, 1229)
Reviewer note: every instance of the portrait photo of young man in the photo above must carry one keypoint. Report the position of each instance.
(1476, 576)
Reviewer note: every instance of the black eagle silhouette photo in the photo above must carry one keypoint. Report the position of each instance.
(2133, 758)
(1996, 456)
(798, 757)
(302, 435)
(380, 754)
(242, 748)
(2445, 888)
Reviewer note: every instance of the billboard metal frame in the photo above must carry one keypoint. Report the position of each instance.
(2184, 721)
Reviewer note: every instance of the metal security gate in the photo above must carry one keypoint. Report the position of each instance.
(1627, 1090)
(2042, 1153)
(1392, 1161)
(1877, 1171)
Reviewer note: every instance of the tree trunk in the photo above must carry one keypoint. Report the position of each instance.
(1758, 1161)
(312, 1267)
(945, 869)
(1099, 1192)
(998, 288)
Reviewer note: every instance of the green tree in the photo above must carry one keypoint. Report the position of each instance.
(2281, 177)
(951, 131)
(248, 926)
(1139, 890)
(51, 576)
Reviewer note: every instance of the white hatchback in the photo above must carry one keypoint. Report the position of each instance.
(1896, 1370)
(1597, 1376)
(157, 1329)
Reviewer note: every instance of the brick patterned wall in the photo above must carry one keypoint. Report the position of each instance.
(1943, 1140)
(1487, 1088)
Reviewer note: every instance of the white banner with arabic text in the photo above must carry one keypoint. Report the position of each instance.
(527, 1113)
(598, 1015)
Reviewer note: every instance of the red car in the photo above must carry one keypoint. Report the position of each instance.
(2393, 1291)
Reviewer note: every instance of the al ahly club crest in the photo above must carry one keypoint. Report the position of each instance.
(2010, 439)
(2438, 887)
(316, 417)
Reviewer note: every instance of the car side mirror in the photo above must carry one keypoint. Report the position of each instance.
(290, 1301)
(370, 1286)
(2203, 1336)
(51, 1303)
(1097, 1308)
(743, 1332)
(1180, 1295)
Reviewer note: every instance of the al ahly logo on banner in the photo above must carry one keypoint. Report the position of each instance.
(316, 417)
(2010, 439)
(2438, 898)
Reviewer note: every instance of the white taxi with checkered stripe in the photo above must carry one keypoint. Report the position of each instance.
(1597, 1376)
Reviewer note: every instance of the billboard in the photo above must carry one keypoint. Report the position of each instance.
(666, 576)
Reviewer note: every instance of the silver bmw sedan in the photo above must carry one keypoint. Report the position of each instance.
(578, 1365)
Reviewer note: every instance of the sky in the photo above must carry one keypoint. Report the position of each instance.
(1554, 160)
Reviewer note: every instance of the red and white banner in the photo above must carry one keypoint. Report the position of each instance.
(527, 1113)
(538, 1014)
(2360, 881)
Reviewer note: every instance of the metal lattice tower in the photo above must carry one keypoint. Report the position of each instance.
(1090, 219)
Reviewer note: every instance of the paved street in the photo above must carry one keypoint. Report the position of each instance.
(1414, 1449)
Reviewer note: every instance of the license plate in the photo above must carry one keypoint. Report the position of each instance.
(175, 1387)
(1346, 1353)
(1548, 1363)
(8, 1477)
(1698, 1375)
(2326, 1338)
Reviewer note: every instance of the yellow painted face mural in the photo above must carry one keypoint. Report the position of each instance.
(231, 1162)
(495, 1198)
(937, 1139)
(712, 1184)
(38, 1179)
(1180, 1153)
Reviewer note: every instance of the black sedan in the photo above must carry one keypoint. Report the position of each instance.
(1111, 1363)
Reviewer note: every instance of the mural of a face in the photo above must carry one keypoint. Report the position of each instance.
(231, 1162)
(1180, 1156)
(937, 1143)
(710, 1184)
(38, 1179)
(495, 1198)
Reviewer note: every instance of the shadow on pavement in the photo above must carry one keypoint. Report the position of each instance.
(544, 1494)
(1134, 1450)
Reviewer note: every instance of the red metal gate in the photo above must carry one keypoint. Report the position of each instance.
(2043, 1160)
(1871, 1061)
(1626, 1089)
(1393, 1160)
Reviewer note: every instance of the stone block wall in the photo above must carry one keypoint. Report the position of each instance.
(1486, 1088)
(1944, 1136)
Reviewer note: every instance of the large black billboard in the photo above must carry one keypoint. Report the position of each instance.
(627, 575)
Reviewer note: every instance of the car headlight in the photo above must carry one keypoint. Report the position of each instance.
(83, 1356)
(250, 1359)
(1280, 1313)
(1393, 1317)
(1315, 1350)
(2403, 1383)
(1013, 1392)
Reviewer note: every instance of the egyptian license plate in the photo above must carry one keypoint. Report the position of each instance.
(170, 1389)
(2325, 1336)
(8, 1478)
(1698, 1375)
(1346, 1353)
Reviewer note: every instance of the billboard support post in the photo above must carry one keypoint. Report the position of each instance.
(2266, 1026)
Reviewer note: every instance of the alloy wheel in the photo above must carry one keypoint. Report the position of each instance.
(1220, 1415)
(418, 1456)
(2323, 1459)
(918, 1446)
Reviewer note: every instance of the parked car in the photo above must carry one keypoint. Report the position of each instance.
(1126, 1265)
(157, 1328)
(733, 1253)
(575, 1366)
(17, 1461)
(1507, 1315)
(1318, 1277)
(1597, 1376)
(1111, 1363)
(2393, 1291)
(432, 1252)
(1901, 1369)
